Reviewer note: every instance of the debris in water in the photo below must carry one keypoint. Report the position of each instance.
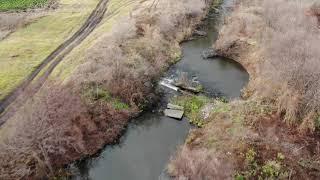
(184, 83)
(174, 111)
(189, 88)
(209, 53)
(177, 114)
(168, 85)
(200, 33)
(174, 107)
(195, 79)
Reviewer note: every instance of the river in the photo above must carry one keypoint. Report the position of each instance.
(144, 150)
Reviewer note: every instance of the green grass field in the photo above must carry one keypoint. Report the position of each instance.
(7, 5)
(26, 48)
(78, 55)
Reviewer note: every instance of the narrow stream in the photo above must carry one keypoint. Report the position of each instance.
(146, 147)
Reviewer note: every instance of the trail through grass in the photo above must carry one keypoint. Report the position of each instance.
(116, 10)
(25, 49)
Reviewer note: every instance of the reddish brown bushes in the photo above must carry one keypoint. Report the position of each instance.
(315, 11)
(40, 136)
(55, 128)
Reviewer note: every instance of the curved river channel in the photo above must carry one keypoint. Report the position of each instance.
(151, 139)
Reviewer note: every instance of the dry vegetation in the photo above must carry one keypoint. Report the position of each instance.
(64, 122)
(29, 44)
(280, 47)
(274, 132)
(200, 164)
(9, 22)
(244, 140)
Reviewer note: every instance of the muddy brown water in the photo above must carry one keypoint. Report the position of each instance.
(151, 139)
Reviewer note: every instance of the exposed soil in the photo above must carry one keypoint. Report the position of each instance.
(53, 59)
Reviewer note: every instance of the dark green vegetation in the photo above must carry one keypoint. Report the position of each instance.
(269, 169)
(7, 5)
(97, 93)
(193, 106)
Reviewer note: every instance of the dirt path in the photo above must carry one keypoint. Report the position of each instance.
(16, 97)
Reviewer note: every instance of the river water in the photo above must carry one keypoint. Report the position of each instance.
(151, 139)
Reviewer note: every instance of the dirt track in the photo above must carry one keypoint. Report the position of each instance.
(16, 97)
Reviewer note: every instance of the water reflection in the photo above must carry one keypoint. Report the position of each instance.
(142, 154)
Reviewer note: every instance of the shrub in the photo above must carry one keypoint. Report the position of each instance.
(285, 65)
(315, 11)
(41, 136)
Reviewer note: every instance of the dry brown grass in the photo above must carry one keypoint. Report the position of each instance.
(278, 42)
(211, 152)
(9, 22)
(242, 139)
(200, 164)
(291, 50)
(286, 39)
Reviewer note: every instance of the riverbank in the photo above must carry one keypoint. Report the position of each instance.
(274, 131)
(144, 142)
(74, 115)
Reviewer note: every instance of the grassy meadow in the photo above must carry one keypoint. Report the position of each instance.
(25, 49)
(7, 5)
